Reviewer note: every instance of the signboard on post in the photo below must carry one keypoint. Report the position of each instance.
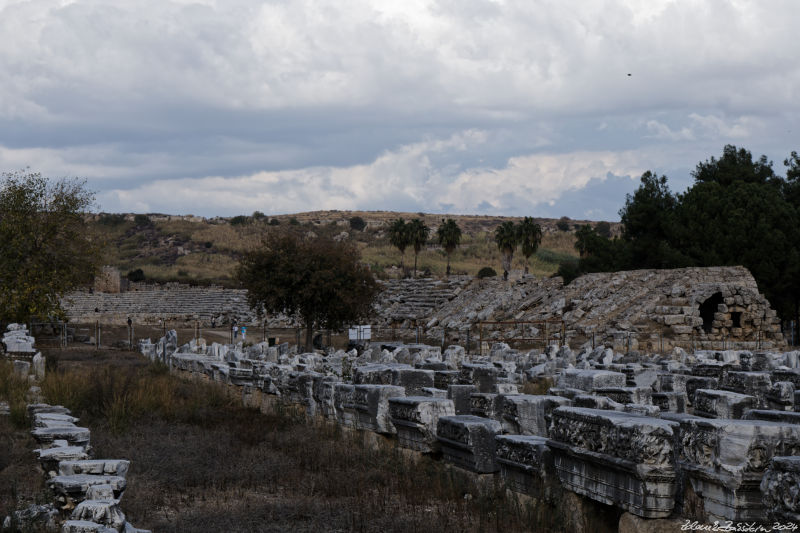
(359, 333)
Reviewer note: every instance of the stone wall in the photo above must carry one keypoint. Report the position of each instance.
(639, 309)
(639, 436)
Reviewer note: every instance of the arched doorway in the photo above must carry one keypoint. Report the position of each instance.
(707, 310)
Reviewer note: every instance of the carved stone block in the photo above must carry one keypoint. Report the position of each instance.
(416, 417)
(460, 394)
(785, 417)
(444, 378)
(616, 458)
(343, 401)
(673, 402)
(712, 403)
(642, 395)
(371, 403)
(780, 487)
(755, 384)
(525, 414)
(590, 380)
(673, 382)
(413, 380)
(485, 405)
(483, 376)
(725, 460)
(468, 442)
(694, 383)
(526, 464)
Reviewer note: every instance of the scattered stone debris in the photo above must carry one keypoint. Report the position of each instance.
(639, 432)
(86, 492)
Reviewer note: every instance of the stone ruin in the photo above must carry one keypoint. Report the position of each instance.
(19, 349)
(86, 491)
(640, 310)
(646, 310)
(711, 435)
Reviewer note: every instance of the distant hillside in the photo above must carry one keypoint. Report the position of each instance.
(198, 250)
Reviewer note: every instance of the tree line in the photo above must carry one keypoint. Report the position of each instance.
(738, 211)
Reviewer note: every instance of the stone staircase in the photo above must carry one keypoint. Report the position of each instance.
(416, 299)
(148, 306)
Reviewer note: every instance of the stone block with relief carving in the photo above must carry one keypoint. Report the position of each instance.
(616, 458)
(725, 460)
(468, 442)
(416, 417)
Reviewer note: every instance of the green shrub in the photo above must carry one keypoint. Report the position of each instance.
(142, 220)
(274, 222)
(486, 272)
(294, 222)
(111, 219)
(136, 275)
(240, 220)
(357, 223)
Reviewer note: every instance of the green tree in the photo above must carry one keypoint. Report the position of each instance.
(506, 237)
(650, 226)
(319, 281)
(449, 236)
(47, 247)
(418, 234)
(530, 237)
(357, 223)
(563, 223)
(399, 238)
(603, 229)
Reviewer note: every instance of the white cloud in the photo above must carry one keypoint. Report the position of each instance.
(299, 104)
(403, 177)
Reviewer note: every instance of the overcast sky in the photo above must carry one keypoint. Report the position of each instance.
(508, 107)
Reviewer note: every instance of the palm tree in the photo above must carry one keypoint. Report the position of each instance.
(530, 237)
(506, 237)
(398, 237)
(449, 235)
(417, 236)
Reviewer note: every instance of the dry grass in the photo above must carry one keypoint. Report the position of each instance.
(200, 462)
(215, 246)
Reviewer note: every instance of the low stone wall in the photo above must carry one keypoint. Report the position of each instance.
(86, 492)
(657, 465)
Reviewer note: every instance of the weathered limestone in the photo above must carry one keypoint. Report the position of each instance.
(485, 405)
(107, 513)
(590, 380)
(780, 487)
(674, 402)
(461, 396)
(371, 406)
(469, 442)
(640, 395)
(483, 376)
(616, 458)
(722, 404)
(525, 414)
(756, 384)
(345, 406)
(526, 464)
(16, 340)
(416, 419)
(71, 490)
(98, 467)
(785, 417)
(75, 436)
(725, 460)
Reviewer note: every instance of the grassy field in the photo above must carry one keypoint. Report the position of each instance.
(194, 250)
(201, 462)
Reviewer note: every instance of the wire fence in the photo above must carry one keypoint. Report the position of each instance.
(476, 338)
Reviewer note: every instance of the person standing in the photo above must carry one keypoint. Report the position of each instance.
(244, 333)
